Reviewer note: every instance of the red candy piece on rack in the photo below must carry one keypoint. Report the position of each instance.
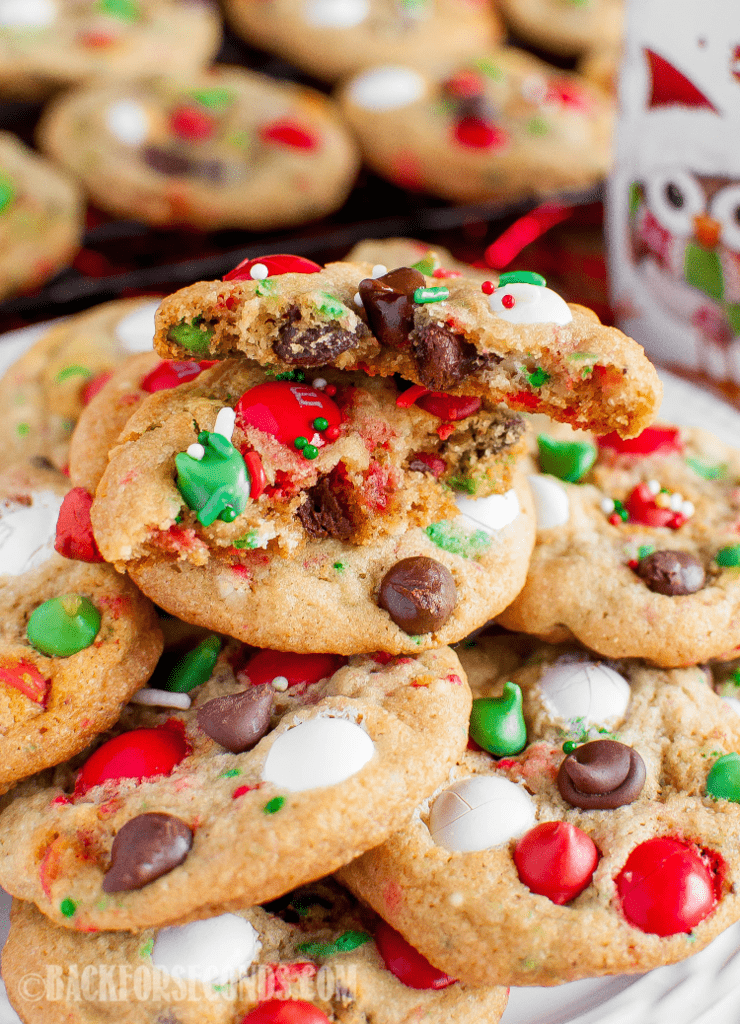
(191, 124)
(287, 410)
(288, 133)
(95, 384)
(407, 963)
(556, 859)
(449, 408)
(274, 265)
(138, 754)
(666, 887)
(74, 537)
(476, 133)
(296, 668)
(642, 509)
(24, 676)
(281, 1011)
(665, 440)
(172, 372)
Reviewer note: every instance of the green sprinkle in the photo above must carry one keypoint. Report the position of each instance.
(427, 265)
(248, 540)
(195, 667)
(23, 430)
(331, 306)
(300, 443)
(213, 98)
(68, 907)
(72, 371)
(310, 451)
(702, 469)
(569, 746)
(538, 126)
(567, 460)
(190, 335)
(231, 773)
(521, 277)
(586, 372)
(635, 196)
(579, 357)
(644, 550)
(339, 566)
(422, 295)
(458, 540)
(729, 557)
(320, 423)
(538, 377)
(489, 68)
(126, 10)
(344, 943)
(296, 375)
(274, 805)
(240, 140)
(7, 192)
(147, 948)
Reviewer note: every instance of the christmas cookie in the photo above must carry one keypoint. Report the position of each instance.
(517, 343)
(226, 148)
(436, 261)
(589, 830)
(44, 392)
(277, 770)
(499, 127)
(51, 44)
(637, 546)
(77, 640)
(332, 39)
(315, 956)
(41, 213)
(567, 28)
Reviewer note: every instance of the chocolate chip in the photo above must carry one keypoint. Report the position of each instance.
(671, 572)
(601, 775)
(146, 848)
(389, 304)
(312, 346)
(238, 720)
(322, 515)
(443, 358)
(41, 462)
(419, 594)
(166, 162)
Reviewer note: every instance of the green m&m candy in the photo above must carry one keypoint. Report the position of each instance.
(63, 625)
(497, 723)
(723, 781)
(567, 460)
(729, 557)
(196, 666)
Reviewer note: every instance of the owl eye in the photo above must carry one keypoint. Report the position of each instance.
(674, 197)
(725, 208)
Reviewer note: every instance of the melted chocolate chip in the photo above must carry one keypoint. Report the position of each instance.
(238, 720)
(389, 304)
(671, 572)
(443, 358)
(166, 162)
(146, 848)
(419, 594)
(311, 346)
(41, 462)
(322, 515)
(601, 775)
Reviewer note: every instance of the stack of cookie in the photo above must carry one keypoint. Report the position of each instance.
(326, 475)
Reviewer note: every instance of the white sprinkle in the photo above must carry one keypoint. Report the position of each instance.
(280, 683)
(653, 486)
(607, 506)
(319, 383)
(688, 509)
(225, 422)
(161, 699)
(676, 502)
(358, 299)
(379, 270)
(259, 272)
(196, 451)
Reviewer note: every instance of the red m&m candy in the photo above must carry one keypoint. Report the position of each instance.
(191, 124)
(664, 440)
(74, 538)
(280, 1011)
(139, 754)
(172, 372)
(288, 133)
(450, 408)
(476, 133)
(296, 668)
(271, 266)
(557, 860)
(287, 411)
(407, 963)
(666, 887)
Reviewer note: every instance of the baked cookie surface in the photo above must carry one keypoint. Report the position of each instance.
(41, 217)
(47, 45)
(44, 392)
(281, 769)
(225, 148)
(316, 946)
(568, 28)
(598, 840)
(498, 127)
(76, 639)
(518, 343)
(639, 557)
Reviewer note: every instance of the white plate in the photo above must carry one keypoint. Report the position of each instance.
(704, 989)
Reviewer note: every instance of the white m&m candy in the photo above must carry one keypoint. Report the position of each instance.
(386, 88)
(128, 121)
(135, 332)
(28, 532)
(321, 752)
(336, 13)
(551, 501)
(480, 812)
(27, 13)
(213, 951)
(521, 303)
(490, 514)
(585, 690)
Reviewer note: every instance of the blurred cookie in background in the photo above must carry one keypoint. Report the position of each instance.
(226, 148)
(567, 28)
(433, 260)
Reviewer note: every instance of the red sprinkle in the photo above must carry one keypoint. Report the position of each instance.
(508, 301)
(288, 133)
(331, 433)
(242, 790)
(409, 397)
(281, 263)
(330, 390)
(557, 860)
(464, 85)
(256, 471)
(74, 538)
(526, 399)
(488, 287)
(407, 963)
(191, 124)
(25, 677)
(475, 133)
(435, 464)
(440, 272)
